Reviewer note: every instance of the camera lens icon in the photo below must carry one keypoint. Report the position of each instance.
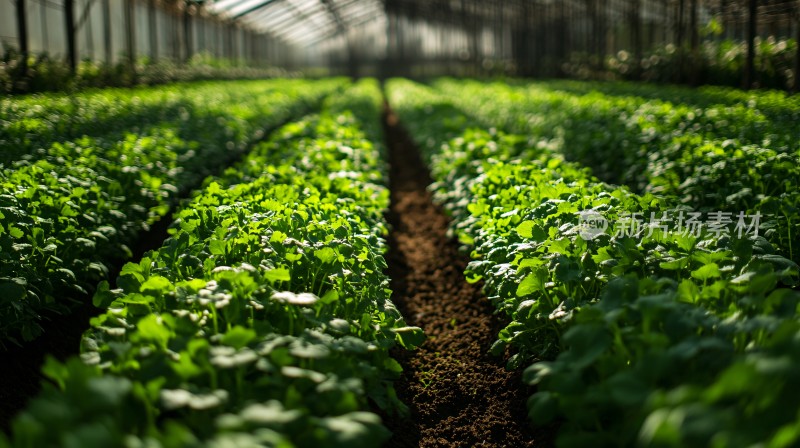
(591, 224)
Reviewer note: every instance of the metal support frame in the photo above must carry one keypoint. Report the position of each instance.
(22, 30)
(152, 29)
(254, 9)
(130, 33)
(69, 28)
(109, 54)
(749, 70)
(188, 39)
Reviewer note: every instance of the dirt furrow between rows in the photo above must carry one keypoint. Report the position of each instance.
(459, 395)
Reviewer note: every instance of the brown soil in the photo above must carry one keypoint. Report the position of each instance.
(459, 395)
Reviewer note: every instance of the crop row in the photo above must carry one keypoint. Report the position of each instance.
(30, 125)
(70, 212)
(264, 320)
(718, 157)
(653, 337)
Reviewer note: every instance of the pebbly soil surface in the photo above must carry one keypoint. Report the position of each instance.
(459, 395)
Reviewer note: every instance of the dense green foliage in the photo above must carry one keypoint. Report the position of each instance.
(69, 209)
(658, 338)
(45, 73)
(30, 125)
(264, 320)
(720, 62)
(733, 152)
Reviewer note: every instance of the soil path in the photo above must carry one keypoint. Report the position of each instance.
(459, 395)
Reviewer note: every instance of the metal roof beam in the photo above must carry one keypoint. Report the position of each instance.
(253, 9)
(335, 14)
(265, 13)
(224, 5)
(373, 12)
(281, 28)
(320, 38)
(298, 34)
(302, 14)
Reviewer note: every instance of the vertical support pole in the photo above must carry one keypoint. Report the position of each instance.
(251, 48)
(694, 42)
(174, 20)
(109, 55)
(152, 28)
(69, 27)
(45, 27)
(636, 36)
(22, 32)
(796, 85)
(679, 39)
(391, 43)
(187, 33)
(603, 34)
(230, 35)
(564, 26)
(130, 33)
(250, 45)
(89, 35)
(749, 70)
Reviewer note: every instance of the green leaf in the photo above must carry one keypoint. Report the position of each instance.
(293, 257)
(688, 291)
(104, 296)
(525, 229)
(707, 272)
(330, 297)
(156, 283)
(270, 413)
(529, 229)
(542, 407)
(392, 365)
(277, 275)
(238, 337)
(13, 290)
(217, 247)
(533, 282)
(152, 328)
(628, 389)
(585, 344)
(674, 265)
(325, 255)
(15, 232)
(134, 270)
(409, 337)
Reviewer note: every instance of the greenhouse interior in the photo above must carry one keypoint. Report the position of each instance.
(399, 223)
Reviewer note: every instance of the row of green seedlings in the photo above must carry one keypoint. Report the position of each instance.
(592, 124)
(661, 336)
(30, 125)
(714, 158)
(774, 104)
(70, 214)
(264, 320)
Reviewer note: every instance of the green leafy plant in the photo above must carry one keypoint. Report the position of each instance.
(656, 338)
(263, 320)
(724, 150)
(70, 209)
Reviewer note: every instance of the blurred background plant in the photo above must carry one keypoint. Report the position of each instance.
(719, 62)
(44, 73)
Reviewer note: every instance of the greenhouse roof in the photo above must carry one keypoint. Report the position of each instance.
(303, 22)
(307, 23)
